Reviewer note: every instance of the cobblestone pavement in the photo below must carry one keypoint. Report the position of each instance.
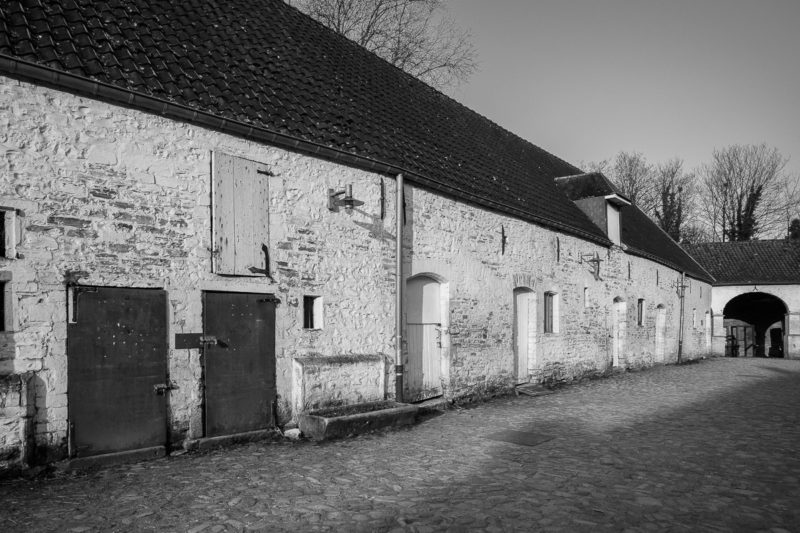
(702, 447)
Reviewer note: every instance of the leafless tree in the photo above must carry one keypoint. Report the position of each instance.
(673, 197)
(414, 35)
(632, 174)
(746, 194)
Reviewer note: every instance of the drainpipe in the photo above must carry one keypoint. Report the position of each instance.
(681, 291)
(398, 291)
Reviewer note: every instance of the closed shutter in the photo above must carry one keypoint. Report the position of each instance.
(241, 217)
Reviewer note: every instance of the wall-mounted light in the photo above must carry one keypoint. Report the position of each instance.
(347, 201)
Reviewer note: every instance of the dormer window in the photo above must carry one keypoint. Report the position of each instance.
(614, 203)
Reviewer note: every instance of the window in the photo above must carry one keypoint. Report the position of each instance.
(3, 300)
(640, 311)
(240, 205)
(10, 232)
(550, 312)
(694, 317)
(312, 312)
(586, 297)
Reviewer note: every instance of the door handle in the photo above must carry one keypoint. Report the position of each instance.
(162, 388)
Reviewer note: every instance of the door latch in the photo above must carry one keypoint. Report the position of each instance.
(208, 340)
(162, 388)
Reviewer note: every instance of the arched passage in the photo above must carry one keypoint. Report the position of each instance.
(755, 325)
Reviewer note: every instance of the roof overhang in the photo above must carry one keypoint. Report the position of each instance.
(617, 200)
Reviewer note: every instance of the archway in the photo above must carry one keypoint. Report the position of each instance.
(755, 325)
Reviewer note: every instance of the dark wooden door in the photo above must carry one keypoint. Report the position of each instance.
(117, 354)
(240, 367)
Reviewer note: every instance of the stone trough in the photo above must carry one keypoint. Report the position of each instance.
(335, 422)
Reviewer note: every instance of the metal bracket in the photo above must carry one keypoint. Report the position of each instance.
(162, 388)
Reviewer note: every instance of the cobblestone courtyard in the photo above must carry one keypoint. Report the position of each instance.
(702, 447)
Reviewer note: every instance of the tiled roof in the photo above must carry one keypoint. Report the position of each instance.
(750, 262)
(587, 185)
(638, 232)
(264, 64)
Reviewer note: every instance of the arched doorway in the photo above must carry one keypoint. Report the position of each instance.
(524, 332)
(424, 318)
(619, 330)
(755, 325)
(661, 333)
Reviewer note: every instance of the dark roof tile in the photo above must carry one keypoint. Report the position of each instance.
(750, 262)
(302, 75)
(640, 234)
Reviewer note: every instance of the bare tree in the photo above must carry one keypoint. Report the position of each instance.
(414, 35)
(673, 197)
(695, 233)
(745, 193)
(632, 174)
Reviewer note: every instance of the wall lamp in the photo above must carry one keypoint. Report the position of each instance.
(347, 201)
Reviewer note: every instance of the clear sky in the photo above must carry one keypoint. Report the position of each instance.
(585, 79)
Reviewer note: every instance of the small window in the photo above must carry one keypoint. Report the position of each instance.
(656, 277)
(640, 311)
(629, 270)
(550, 312)
(694, 317)
(9, 232)
(312, 312)
(3, 301)
(586, 297)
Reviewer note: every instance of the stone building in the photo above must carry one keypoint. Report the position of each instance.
(203, 208)
(755, 297)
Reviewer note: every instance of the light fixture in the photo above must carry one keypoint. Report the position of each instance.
(347, 201)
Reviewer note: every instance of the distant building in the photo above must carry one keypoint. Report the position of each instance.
(755, 297)
(201, 216)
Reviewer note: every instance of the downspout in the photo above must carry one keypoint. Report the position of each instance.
(681, 293)
(398, 292)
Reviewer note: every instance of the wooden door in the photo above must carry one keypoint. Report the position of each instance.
(117, 358)
(619, 331)
(524, 310)
(423, 363)
(239, 368)
(661, 333)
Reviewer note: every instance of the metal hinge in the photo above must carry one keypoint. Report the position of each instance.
(162, 388)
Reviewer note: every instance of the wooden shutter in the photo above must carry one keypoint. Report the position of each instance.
(241, 217)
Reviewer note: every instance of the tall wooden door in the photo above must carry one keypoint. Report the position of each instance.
(117, 370)
(661, 333)
(239, 368)
(619, 331)
(423, 363)
(524, 326)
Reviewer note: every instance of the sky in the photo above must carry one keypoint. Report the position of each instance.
(585, 79)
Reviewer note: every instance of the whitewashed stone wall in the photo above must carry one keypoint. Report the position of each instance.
(462, 245)
(125, 197)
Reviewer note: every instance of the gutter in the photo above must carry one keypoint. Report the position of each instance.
(42, 75)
